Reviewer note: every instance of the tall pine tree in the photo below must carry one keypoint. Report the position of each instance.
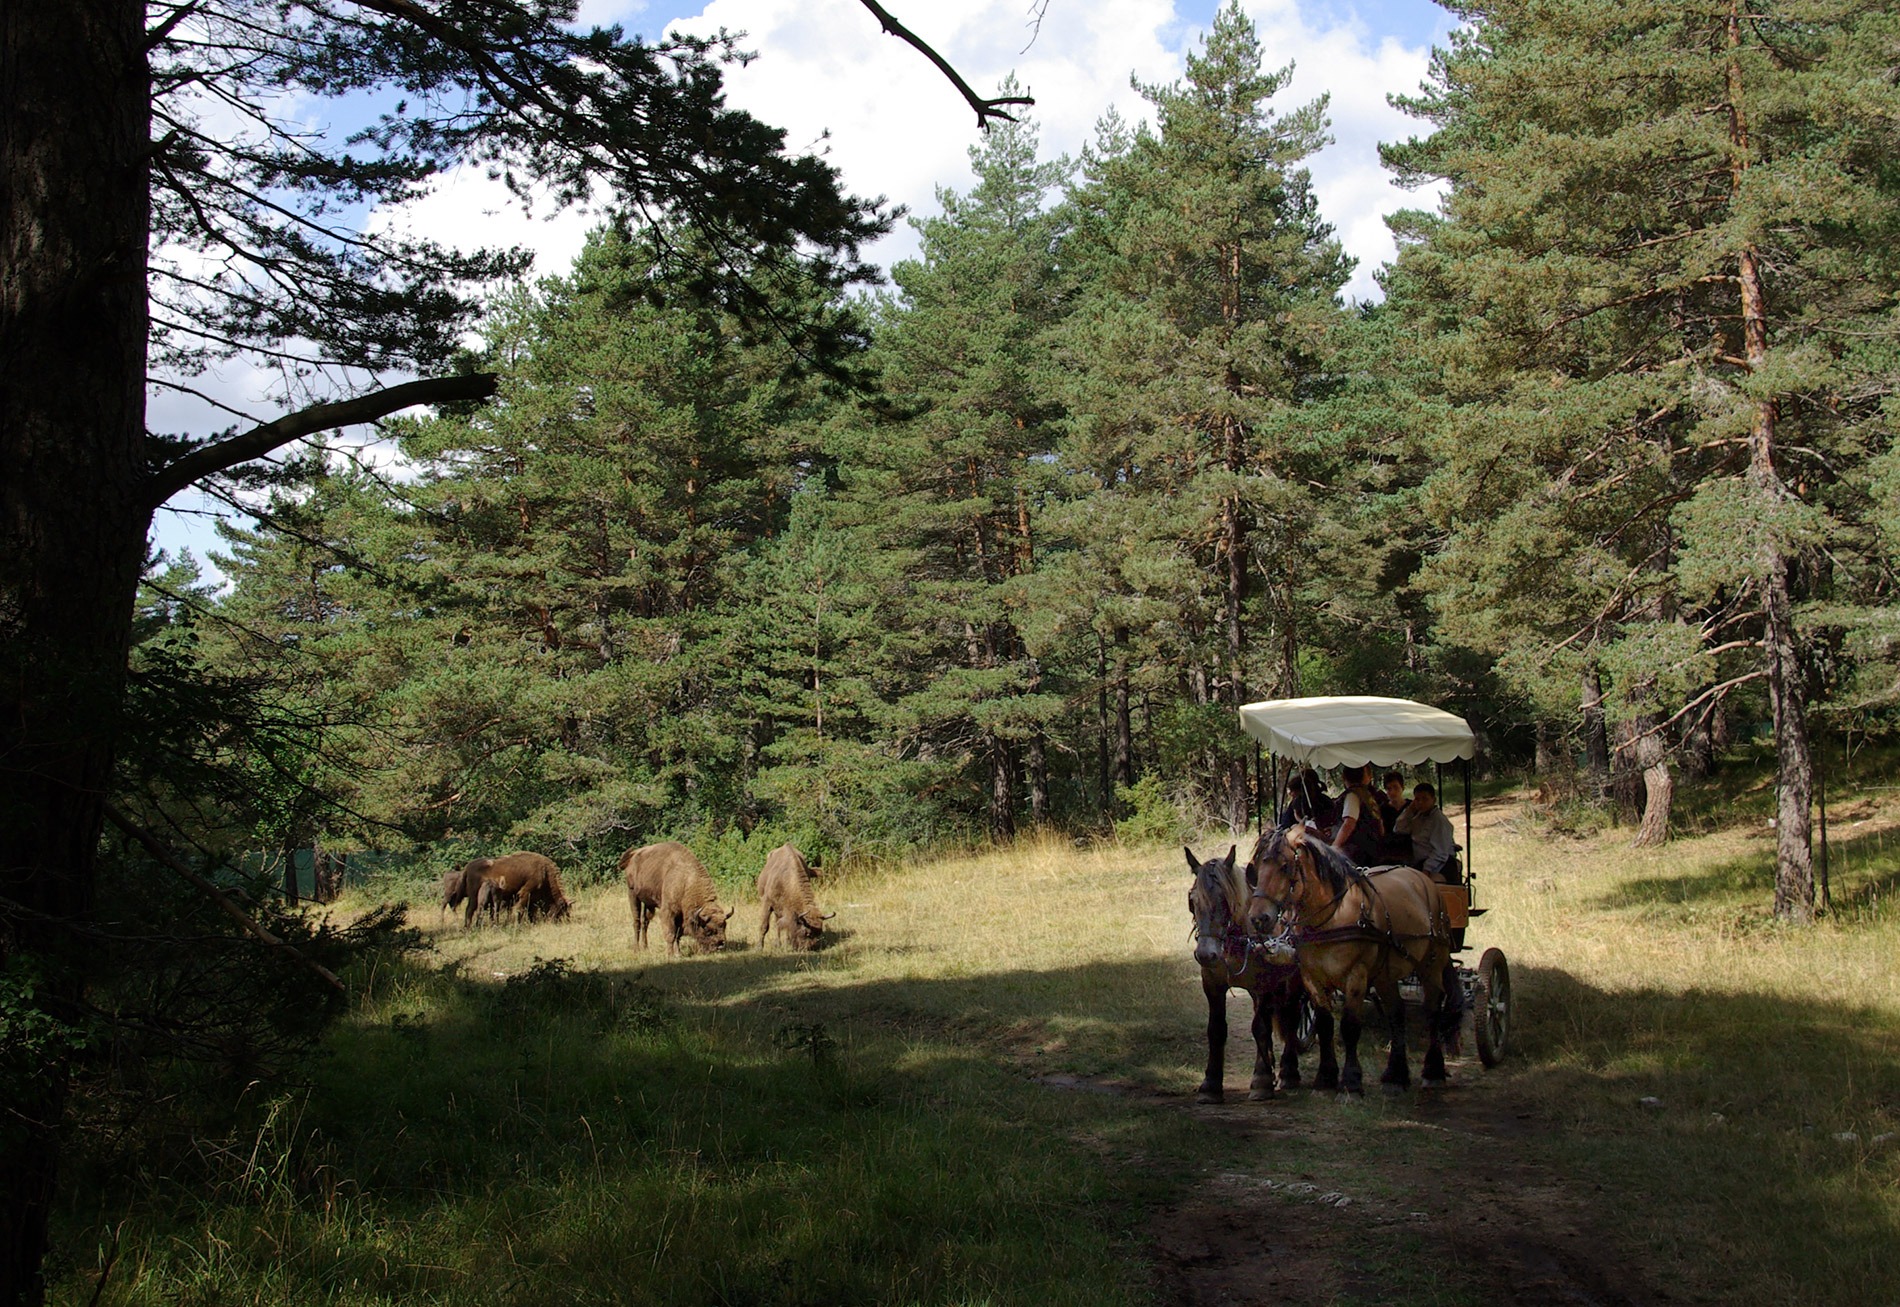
(1210, 293)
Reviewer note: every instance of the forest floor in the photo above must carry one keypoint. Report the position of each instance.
(981, 1092)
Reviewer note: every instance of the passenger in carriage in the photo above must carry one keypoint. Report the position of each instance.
(1361, 832)
(1397, 847)
(1306, 801)
(1434, 846)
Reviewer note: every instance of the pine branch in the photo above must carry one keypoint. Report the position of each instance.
(217, 896)
(258, 441)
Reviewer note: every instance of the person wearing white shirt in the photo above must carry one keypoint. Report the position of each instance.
(1433, 843)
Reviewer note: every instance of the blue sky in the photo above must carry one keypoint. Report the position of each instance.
(894, 127)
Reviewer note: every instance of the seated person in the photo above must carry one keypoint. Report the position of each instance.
(1434, 848)
(1361, 833)
(1306, 801)
(1397, 847)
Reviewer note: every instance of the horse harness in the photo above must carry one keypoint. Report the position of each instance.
(1238, 942)
(1364, 930)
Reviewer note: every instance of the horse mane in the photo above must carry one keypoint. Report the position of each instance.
(1335, 868)
(1230, 882)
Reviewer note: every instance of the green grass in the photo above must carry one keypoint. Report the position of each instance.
(866, 1124)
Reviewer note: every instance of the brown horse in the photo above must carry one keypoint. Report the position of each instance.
(1229, 959)
(1357, 930)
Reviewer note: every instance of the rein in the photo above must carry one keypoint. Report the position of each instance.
(1236, 941)
(1298, 933)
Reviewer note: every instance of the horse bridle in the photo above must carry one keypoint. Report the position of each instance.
(1236, 938)
(1296, 885)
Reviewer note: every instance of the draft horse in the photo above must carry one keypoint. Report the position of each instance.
(1229, 959)
(1356, 931)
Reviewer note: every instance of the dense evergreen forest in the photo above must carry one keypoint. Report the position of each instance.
(1609, 470)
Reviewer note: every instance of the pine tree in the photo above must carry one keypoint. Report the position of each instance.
(956, 481)
(1668, 240)
(1210, 287)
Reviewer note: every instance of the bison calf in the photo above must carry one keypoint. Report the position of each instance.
(785, 894)
(463, 883)
(668, 882)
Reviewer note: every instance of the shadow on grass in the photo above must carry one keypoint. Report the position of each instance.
(713, 1132)
(653, 1135)
(1709, 1119)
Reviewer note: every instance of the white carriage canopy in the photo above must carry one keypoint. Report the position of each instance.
(1351, 730)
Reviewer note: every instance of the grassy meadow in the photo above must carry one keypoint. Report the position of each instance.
(980, 1092)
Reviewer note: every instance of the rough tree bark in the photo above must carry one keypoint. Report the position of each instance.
(1596, 735)
(1659, 786)
(73, 216)
(1124, 723)
(1781, 642)
(77, 495)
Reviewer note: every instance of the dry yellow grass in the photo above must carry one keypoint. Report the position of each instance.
(1769, 1056)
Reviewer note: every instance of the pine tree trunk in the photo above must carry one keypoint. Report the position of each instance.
(1104, 789)
(1794, 760)
(1698, 744)
(1124, 725)
(1038, 778)
(1596, 736)
(1625, 778)
(1234, 532)
(1546, 760)
(1781, 646)
(74, 128)
(1659, 787)
(1002, 796)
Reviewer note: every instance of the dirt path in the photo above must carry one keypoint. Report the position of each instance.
(1472, 1219)
(1436, 1198)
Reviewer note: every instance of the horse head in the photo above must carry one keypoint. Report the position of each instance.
(1216, 901)
(1279, 870)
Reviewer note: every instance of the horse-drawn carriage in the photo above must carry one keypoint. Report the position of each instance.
(1347, 731)
(1299, 918)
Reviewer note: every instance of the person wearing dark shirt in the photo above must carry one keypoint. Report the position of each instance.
(1361, 831)
(1396, 847)
(1306, 800)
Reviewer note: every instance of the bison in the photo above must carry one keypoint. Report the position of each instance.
(667, 881)
(526, 882)
(457, 885)
(785, 893)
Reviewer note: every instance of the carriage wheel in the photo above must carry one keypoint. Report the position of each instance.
(1305, 1036)
(1492, 1011)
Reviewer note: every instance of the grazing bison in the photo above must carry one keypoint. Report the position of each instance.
(666, 881)
(527, 883)
(785, 893)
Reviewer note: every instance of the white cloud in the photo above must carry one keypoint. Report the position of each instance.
(894, 126)
(898, 128)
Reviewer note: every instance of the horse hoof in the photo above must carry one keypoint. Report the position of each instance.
(1430, 1083)
(1260, 1093)
(1208, 1095)
(1351, 1095)
(1287, 1082)
(1392, 1088)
